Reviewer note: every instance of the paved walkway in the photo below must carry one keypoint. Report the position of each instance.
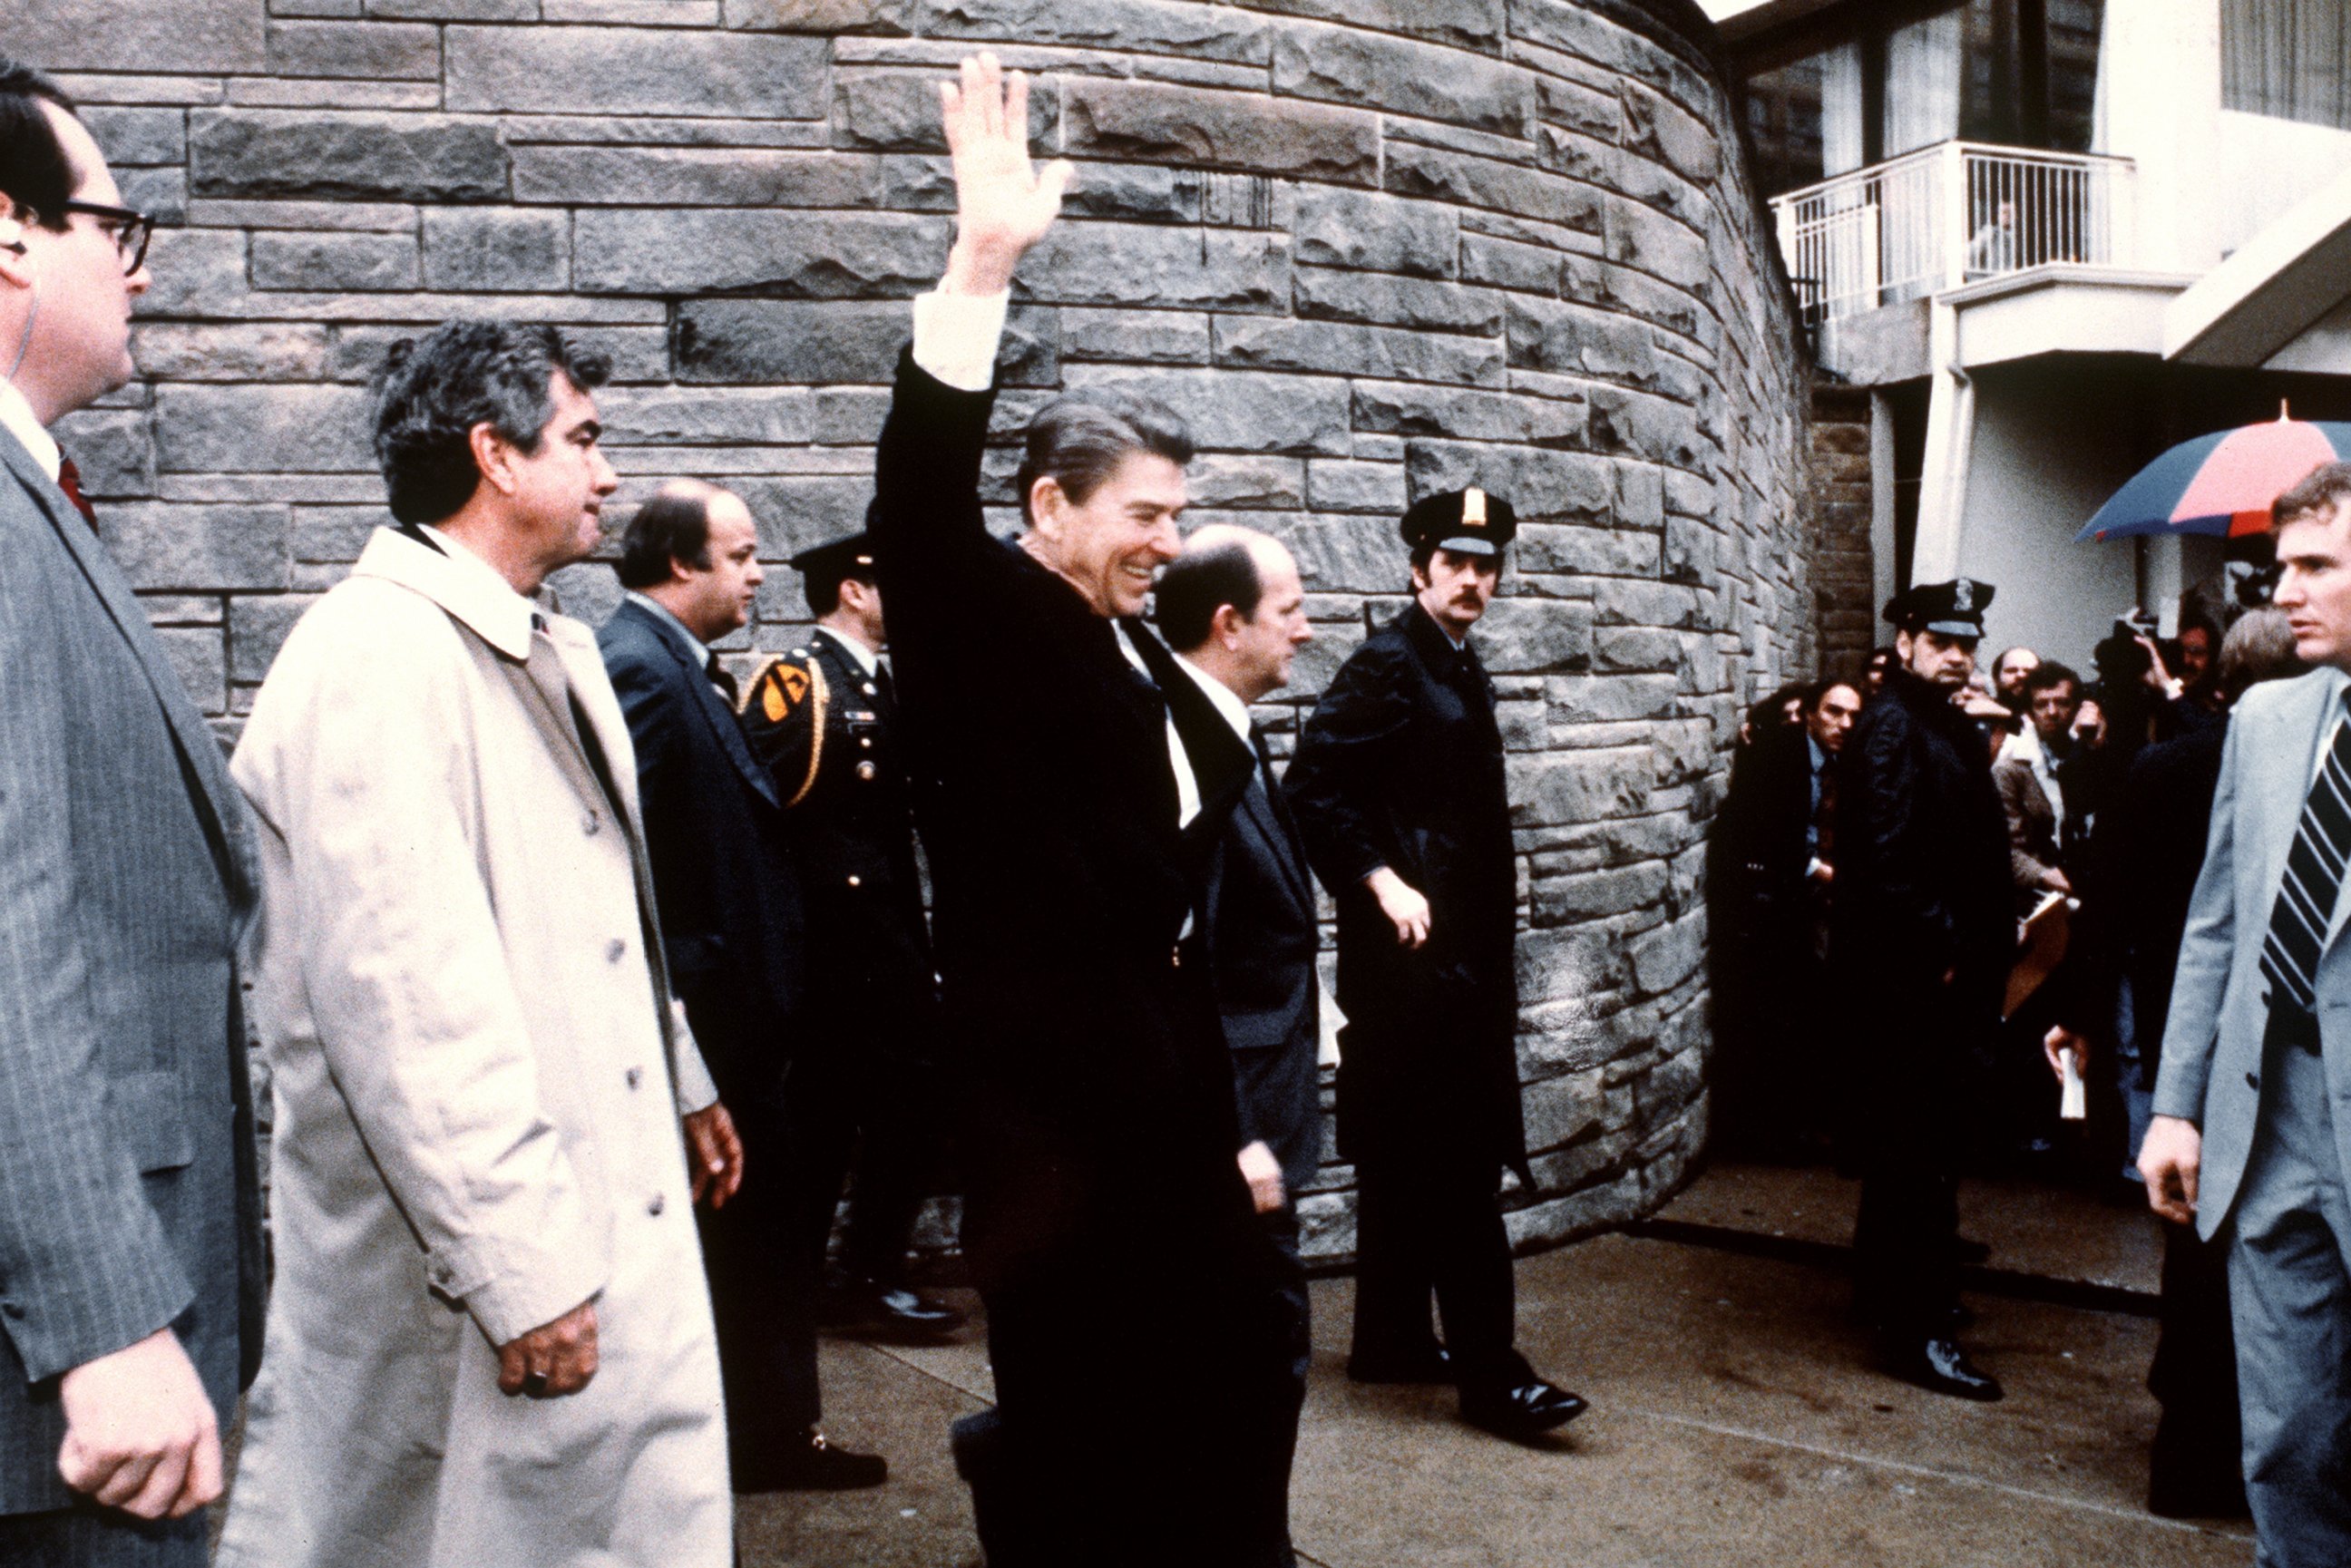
(1735, 1419)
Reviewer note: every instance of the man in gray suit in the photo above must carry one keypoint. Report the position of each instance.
(130, 1237)
(2245, 1140)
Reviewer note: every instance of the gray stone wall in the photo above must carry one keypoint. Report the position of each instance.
(1372, 248)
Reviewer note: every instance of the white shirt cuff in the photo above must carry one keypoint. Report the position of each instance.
(956, 336)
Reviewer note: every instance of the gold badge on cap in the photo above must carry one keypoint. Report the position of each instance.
(1473, 507)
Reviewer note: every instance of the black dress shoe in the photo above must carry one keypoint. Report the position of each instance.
(1940, 1366)
(886, 1312)
(813, 1464)
(1431, 1366)
(1527, 1411)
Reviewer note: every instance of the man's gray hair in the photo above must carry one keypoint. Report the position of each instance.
(434, 390)
(1077, 441)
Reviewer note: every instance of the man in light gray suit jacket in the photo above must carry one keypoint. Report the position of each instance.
(2246, 1140)
(130, 1220)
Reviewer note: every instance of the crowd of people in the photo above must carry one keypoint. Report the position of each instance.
(590, 969)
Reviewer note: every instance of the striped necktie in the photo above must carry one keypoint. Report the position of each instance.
(2313, 876)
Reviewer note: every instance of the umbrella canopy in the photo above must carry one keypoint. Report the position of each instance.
(2222, 483)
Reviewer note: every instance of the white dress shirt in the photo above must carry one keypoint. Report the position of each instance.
(16, 415)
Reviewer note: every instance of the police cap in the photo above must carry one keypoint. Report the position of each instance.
(1953, 609)
(1467, 521)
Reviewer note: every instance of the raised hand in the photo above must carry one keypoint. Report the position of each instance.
(1003, 204)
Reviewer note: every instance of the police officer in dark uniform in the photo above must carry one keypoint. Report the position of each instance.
(1399, 793)
(1924, 933)
(820, 719)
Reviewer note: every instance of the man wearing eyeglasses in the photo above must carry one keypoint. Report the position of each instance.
(130, 1237)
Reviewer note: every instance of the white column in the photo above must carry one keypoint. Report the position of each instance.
(1950, 433)
(2159, 104)
(1881, 481)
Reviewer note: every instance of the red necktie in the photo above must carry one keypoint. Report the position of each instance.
(69, 481)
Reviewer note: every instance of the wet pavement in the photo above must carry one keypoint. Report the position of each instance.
(1736, 1417)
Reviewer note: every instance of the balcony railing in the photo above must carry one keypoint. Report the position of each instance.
(1947, 216)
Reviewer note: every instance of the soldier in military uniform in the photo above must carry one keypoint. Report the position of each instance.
(1923, 935)
(862, 1084)
(1399, 793)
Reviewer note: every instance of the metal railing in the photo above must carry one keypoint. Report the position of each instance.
(1949, 215)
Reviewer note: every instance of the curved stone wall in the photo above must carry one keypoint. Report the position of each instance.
(1372, 249)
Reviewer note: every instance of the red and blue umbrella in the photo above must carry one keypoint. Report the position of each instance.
(2222, 483)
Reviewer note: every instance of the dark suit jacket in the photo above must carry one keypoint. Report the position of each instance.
(128, 1194)
(1401, 765)
(730, 906)
(1101, 1114)
(1759, 856)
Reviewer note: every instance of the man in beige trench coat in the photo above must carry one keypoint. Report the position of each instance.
(489, 1343)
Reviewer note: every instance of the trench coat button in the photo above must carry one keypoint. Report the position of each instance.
(592, 824)
(865, 771)
(856, 881)
(615, 950)
(655, 1207)
(634, 1075)
(1175, 955)
(869, 688)
(866, 741)
(2252, 1081)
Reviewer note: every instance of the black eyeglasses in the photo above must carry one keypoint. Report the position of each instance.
(132, 230)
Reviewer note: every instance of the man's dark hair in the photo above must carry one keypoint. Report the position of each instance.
(1078, 440)
(2046, 674)
(820, 585)
(1818, 692)
(2328, 486)
(433, 389)
(1196, 584)
(35, 171)
(673, 526)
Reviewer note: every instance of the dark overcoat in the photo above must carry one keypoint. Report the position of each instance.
(1401, 765)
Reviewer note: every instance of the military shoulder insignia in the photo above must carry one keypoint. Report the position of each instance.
(783, 713)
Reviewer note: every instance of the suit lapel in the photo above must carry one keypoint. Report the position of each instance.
(710, 705)
(1265, 817)
(219, 803)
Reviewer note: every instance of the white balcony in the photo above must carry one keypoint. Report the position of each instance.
(1950, 216)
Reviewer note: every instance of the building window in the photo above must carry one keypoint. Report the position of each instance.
(2289, 59)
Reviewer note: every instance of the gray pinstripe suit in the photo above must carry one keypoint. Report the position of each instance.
(128, 1199)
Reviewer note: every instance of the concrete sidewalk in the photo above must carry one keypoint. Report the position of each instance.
(1735, 1420)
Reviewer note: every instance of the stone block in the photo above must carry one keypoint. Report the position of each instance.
(1305, 415)
(1128, 263)
(773, 340)
(899, 109)
(1570, 340)
(1471, 181)
(199, 656)
(330, 262)
(235, 351)
(497, 250)
(1465, 24)
(1221, 129)
(893, 17)
(1656, 428)
(367, 51)
(264, 429)
(1641, 237)
(1375, 232)
(1346, 554)
(1544, 484)
(1656, 128)
(200, 548)
(456, 10)
(1525, 635)
(1460, 413)
(1337, 484)
(1636, 648)
(113, 447)
(1560, 1110)
(641, 250)
(1588, 552)
(1579, 786)
(633, 13)
(695, 176)
(1579, 107)
(1667, 956)
(138, 136)
(1612, 699)
(1377, 299)
(258, 627)
(1247, 482)
(162, 193)
(1628, 602)
(1351, 64)
(1618, 890)
(798, 511)
(1142, 27)
(184, 36)
(338, 155)
(1506, 264)
(334, 534)
(1135, 337)
(1263, 342)
(617, 70)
